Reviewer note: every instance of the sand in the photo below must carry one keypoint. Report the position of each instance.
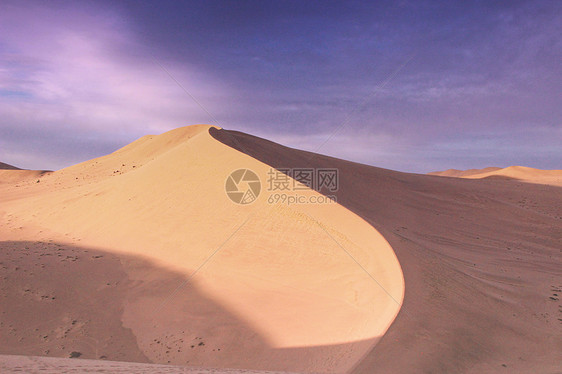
(301, 288)
(283, 293)
(52, 365)
(464, 173)
(516, 173)
(10, 174)
(4, 166)
(481, 260)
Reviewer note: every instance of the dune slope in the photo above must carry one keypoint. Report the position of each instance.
(481, 262)
(193, 278)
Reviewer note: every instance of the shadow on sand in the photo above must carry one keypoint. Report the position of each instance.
(480, 260)
(63, 300)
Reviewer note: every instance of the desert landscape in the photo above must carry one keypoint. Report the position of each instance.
(120, 259)
(277, 187)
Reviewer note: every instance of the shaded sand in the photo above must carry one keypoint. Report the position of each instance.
(49, 291)
(52, 365)
(4, 166)
(520, 173)
(98, 258)
(481, 260)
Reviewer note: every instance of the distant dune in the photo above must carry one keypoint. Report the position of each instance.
(463, 173)
(4, 166)
(140, 256)
(12, 174)
(521, 173)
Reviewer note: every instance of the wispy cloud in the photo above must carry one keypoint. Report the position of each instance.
(84, 78)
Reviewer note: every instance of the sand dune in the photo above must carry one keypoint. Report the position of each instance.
(463, 173)
(15, 176)
(480, 260)
(520, 173)
(4, 166)
(284, 293)
(11, 174)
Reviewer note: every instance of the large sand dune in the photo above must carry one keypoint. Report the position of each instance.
(480, 258)
(100, 256)
(481, 261)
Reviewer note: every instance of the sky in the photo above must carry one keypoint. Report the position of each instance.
(414, 86)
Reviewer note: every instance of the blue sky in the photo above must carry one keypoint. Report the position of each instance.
(407, 85)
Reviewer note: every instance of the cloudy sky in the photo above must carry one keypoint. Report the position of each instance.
(407, 85)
